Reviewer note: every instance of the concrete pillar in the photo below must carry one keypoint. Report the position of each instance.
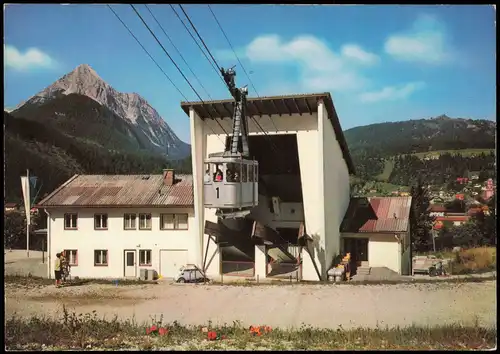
(198, 147)
(260, 262)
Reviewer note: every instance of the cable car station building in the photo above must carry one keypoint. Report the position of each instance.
(296, 186)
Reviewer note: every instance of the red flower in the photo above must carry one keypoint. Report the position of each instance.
(148, 331)
(163, 331)
(223, 337)
(154, 328)
(212, 335)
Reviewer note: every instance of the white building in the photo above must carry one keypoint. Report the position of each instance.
(304, 165)
(376, 231)
(113, 226)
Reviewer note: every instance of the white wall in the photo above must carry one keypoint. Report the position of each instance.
(384, 251)
(336, 190)
(115, 239)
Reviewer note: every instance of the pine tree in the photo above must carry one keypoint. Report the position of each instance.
(420, 220)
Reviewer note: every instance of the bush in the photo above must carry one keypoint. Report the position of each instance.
(474, 260)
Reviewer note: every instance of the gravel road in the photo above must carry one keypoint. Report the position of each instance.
(326, 306)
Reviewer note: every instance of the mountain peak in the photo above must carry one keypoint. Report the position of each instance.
(85, 69)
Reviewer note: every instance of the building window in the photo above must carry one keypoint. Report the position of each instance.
(101, 257)
(145, 257)
(144, 221)
(72, 257)
(70, 221)
(101, 221)
(174, 221)
(129, 222)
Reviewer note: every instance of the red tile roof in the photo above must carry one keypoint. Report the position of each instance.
(377, 214)
(121, 190)
(452, 218)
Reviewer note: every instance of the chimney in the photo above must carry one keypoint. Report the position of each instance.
(168, 177)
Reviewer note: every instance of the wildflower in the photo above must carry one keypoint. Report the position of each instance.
(162, 331)
(204, 330)
(212, 335)
(223, 337)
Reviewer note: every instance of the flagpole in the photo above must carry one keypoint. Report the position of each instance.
(28, 213)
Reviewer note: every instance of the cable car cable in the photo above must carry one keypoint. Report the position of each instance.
(178, 51)
(238, 59)
(158, 65)
(199, 47)
(273, 145)
(138, 41)
(175, 64)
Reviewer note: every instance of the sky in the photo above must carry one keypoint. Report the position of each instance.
(380, 63)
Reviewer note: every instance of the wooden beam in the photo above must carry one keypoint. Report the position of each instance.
(286, 106)
(227, 110)
(296, 106)
(257, 108)
(308, 107)
(221, 116)
(275, 108)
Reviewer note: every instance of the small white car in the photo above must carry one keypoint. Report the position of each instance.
(190, 273)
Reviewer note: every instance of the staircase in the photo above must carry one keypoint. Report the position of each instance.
(363, 269)
(281, 254)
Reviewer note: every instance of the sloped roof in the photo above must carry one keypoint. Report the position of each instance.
(121, 191)
(377, 214)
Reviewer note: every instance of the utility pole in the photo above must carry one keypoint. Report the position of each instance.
(27, 206)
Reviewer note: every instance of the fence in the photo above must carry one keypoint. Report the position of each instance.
(238, 269)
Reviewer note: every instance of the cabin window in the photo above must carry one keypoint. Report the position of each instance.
(218, 173)
(250, 173)
(233, 172)
(207, 177)
(244, 172)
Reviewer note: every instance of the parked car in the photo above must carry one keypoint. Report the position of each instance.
(190, 273)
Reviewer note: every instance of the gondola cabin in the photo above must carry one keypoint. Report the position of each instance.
(230, 182)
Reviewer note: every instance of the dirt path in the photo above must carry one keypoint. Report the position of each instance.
(278, 306)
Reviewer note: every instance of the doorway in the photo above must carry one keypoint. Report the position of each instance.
(358, 248)
(130, 264)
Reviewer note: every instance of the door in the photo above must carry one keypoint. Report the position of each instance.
(358, 248)
(130, 266)
(171, 261)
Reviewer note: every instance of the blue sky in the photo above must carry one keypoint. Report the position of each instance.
(381, 63)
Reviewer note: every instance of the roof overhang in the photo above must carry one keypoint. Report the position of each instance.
(276, 105)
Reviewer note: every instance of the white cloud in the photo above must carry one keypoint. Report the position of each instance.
(321, 69)
(355, 52)
(32, 58)
(425, 42)
(392, 93)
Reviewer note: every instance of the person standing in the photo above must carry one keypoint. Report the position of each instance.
(57, 269)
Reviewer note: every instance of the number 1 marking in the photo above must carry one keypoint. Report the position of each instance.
(217, 189)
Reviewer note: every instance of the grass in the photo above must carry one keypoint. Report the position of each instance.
(87, 331)
(388, 167)
(31, 281)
